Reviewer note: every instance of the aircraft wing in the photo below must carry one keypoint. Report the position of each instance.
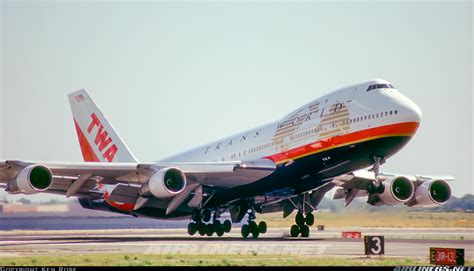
(81, 179)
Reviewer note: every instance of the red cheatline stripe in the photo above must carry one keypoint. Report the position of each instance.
(87, 151)
(399, 129)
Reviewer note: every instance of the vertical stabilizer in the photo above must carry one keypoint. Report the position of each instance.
(98, 140)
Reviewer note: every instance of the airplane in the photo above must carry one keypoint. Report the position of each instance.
(334, 143)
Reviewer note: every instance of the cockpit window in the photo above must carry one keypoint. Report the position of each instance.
(371, 87)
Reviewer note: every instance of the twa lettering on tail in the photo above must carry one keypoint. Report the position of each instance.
(102, 139)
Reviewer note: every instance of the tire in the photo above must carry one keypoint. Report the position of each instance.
(192, 228)
(262, 227)
(304, 231)
(227, 226)
(216, 225)
(220, 231)
(202, 229)
(245, 231)
(252, 226)
(255, 233)
(299, 219)
(206, 215)
(294, 231)
(218, 228)
(370, 187)
(380, 189)
(310, 219)
(209, 230)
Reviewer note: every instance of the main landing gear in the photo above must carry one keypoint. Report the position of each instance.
(199, 223)
(302, 225)
(302, 222)
(252, 227)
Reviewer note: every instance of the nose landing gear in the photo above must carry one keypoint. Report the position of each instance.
(376, 186)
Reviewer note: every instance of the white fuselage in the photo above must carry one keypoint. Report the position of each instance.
(345, 111)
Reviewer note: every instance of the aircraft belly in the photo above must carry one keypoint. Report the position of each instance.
(292, 175)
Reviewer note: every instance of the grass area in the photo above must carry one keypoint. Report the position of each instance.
(207, 260)
(394, 219)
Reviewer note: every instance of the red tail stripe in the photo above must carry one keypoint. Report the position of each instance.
(87, 151)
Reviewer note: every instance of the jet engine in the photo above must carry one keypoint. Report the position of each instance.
(165, 183)
(32, 179)
(397, 190)
(431, 193)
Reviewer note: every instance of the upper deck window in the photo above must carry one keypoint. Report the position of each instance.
(371, 87)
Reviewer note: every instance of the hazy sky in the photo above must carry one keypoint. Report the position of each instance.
(171, 76)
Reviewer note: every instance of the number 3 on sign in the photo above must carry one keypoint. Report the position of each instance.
(374, 245)
(377, 247)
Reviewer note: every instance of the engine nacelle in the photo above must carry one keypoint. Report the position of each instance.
(431, 193)
(165, 183)
(397, 190)
(32, 179)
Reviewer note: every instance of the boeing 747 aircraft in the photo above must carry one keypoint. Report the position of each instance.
(337, 141)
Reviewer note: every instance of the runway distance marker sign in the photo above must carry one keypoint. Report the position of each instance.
(446, 256)
(374, 245)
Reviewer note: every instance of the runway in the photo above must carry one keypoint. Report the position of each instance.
(398, 242)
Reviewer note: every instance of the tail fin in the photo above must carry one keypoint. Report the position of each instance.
(98, 140)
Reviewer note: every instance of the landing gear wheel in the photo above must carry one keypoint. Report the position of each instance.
(304, 231)
(253, 226)
(192, 228)
(216, 225)
(294, 231)
(202, 229)
(310, 219)
(370, 187)
(255, 232)
(206, 215)
(380, 189)
(218, 228)
(227, 226)
(209, 230)
(299, 219)
(220, 233)
(245, 231)
(262, 227)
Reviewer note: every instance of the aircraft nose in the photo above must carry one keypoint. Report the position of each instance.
(409, 111)
(414, 112)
